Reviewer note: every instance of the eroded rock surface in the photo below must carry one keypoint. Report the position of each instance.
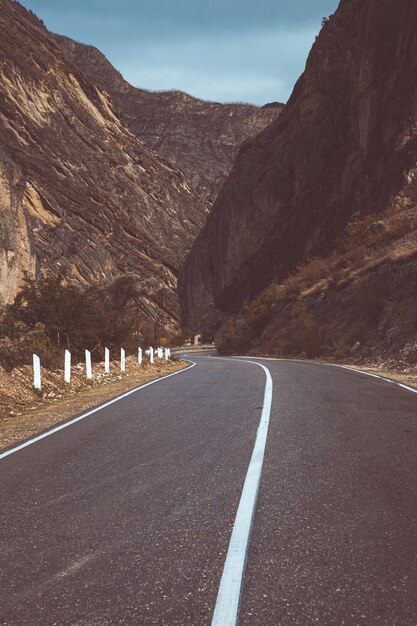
(202, 138)
(79, 192)
(345, 144)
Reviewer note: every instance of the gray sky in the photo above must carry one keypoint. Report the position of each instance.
(223, 50)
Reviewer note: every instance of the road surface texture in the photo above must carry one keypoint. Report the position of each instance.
(125, 517)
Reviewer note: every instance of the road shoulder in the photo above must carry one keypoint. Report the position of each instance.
(16, 428)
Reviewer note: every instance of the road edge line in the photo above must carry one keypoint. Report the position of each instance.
(386, 380)
(391, 381)
(56, 429)
(226, 610)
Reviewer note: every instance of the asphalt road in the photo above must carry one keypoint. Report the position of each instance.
(125, 517)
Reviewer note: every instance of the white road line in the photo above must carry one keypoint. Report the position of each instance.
(344, 367)
(226, 611)
(387, 380)
(84, 415)
(228, 598)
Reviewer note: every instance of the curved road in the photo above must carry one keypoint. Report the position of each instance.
(125, 517)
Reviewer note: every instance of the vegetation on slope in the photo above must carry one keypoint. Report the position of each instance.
(361, 299)
(51, 315)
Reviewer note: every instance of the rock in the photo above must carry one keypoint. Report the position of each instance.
(344, 144)
(79, 193)
(202, 138)
(378, 227)
(409, 351)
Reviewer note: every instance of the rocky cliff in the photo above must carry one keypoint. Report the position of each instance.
(346, 144)
(202, 138)
(79, 192)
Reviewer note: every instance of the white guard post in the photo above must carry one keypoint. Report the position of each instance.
(151, 355)
(122, 360)
(106, 361)
(166, 354)
(139, 356)
(67, 366)
(88, 368)
(36, 372)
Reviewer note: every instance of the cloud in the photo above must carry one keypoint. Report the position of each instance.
(254, 67)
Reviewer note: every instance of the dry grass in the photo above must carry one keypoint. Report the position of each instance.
(361, 251)
(329, 304)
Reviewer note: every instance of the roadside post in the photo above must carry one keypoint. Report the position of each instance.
(37, 372)
(88, 368)
(106, 361)
(139, 356)
(67, 366)
(122, 360)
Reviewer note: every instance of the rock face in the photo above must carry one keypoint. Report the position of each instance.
(79, 193)
(202, 138)
(345, 144)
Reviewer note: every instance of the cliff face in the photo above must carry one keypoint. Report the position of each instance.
(345, 144)
(79, 193)
(202, 138)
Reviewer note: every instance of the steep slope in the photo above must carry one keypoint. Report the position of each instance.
(79, 193)
(357, 303)
(346, 144)
(202, 138)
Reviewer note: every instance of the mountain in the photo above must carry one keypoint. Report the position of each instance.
(80, 194)
(202, 138)
(345, 146)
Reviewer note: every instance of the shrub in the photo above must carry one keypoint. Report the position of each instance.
(234, 340)
(292, 286)
(304, 334)
(357, 330)
(258, 312)
(313, 271)
(19, 352)
(369, 298)
(69, 316)
(359, 233)
(336, 278)
(340, 348)
(356, 258)
(326, 20)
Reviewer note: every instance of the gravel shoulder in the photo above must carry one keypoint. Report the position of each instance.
(395, 370)
(24, 413)
(402, 373)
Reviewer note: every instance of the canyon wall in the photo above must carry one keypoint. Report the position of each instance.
(344, 146)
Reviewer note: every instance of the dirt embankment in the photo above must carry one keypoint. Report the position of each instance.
(25, 412)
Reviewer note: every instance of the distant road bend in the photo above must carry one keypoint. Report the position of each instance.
(131, 514)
